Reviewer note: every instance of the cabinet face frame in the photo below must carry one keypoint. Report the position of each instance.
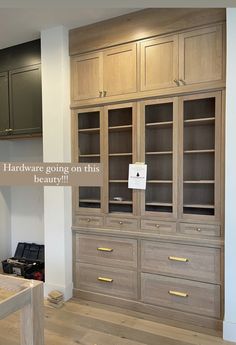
(159, 41)
(75, 155)
(174, 101)
(217, 158)
(218, 55)
(96, 76)
(4, 110)
(106, 157)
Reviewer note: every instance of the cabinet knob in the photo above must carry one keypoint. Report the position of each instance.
(88, 220)
(199, 229)
(176, 82)
(120, 222)
(157, 226)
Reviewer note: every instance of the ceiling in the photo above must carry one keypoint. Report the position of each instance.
(22, 20)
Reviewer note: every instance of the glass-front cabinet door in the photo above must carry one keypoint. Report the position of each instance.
(120, 151)
(88, 150)
(159, 151)
(201, 127)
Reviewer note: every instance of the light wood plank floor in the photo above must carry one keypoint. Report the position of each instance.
(89, 323)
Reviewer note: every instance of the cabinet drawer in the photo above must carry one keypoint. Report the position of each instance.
(89, 221)
(158, 227)
(121, 223)
(181, 294)
(106, 251)
(107, 280)
(185, 261)
(200, 229)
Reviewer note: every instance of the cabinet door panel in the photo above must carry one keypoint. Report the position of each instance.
(201, 55)
(159, 63)
(87, 76)
(120, 70)
(25, 100)
(4, 103)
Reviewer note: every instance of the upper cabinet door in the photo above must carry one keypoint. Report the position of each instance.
(201, 56)
(119, 70)
(86, 76)
(4, 104)
(25, 100)
(159, 63)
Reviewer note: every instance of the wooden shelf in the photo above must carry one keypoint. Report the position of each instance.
(119, 128)
(160, 153)
(200, 182)
(88, 130)
(90, 200)
(118, 181)
(90, 155)
(200, 151)
(159, 124)
(200, 121)
(120, 154)
(124, 202)
(159, 181)
(199, 206)
(158, 204)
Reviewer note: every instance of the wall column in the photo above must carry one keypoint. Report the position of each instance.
(229, 331)
(57, 148)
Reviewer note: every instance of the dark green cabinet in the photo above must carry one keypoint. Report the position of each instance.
(20, 90)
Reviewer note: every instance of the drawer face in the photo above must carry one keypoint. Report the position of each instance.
(158, 227)
(197, 263)
(108, 251)
(180, 294)
(89, 221)
(121, 223)
(107, 280)
(200, 229)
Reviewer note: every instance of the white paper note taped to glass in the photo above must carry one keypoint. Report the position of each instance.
(137, 176)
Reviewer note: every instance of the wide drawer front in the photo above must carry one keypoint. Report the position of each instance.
(158, 227)
(89, 221)
(200, 229)
(197, 263)
(106, 280)
(180, 294)
(106, 251)
(121, 223)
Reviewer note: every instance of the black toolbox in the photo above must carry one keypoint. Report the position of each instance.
(28, 261)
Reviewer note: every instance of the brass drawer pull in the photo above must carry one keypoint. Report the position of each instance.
(176, 258)
(105, 280)
(102, 249)
(178, 293)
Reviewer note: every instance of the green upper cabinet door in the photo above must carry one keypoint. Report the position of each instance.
(25, 100)
(4, 104)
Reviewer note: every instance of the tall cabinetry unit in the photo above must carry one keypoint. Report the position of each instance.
(158, 250)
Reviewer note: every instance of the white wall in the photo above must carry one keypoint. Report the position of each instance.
(57, 148)
(230, 196)
(5, 205)
(26, 201)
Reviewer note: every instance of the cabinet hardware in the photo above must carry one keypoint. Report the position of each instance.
(157, 226)
(88, 220)
(199, 229)
(104, 93)
(100, 94)
(176, 82)
(101, 249)
(176, 258)
(120, 222)
(105, 280)
(182, 81)
(178, 293)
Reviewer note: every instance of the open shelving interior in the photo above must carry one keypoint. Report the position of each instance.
(199, 157)
(89, 152)
(120, 155)
(159, 157)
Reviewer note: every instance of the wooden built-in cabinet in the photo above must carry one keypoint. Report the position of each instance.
(159, 101)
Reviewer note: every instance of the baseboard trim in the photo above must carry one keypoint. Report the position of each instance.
(229, 331)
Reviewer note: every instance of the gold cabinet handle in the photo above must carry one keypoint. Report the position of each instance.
(182, 81)
(178, 293)
(103, 249)
(104, 93)
(176, 82)
(176, 258)
(105, 280)
(100, 94)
